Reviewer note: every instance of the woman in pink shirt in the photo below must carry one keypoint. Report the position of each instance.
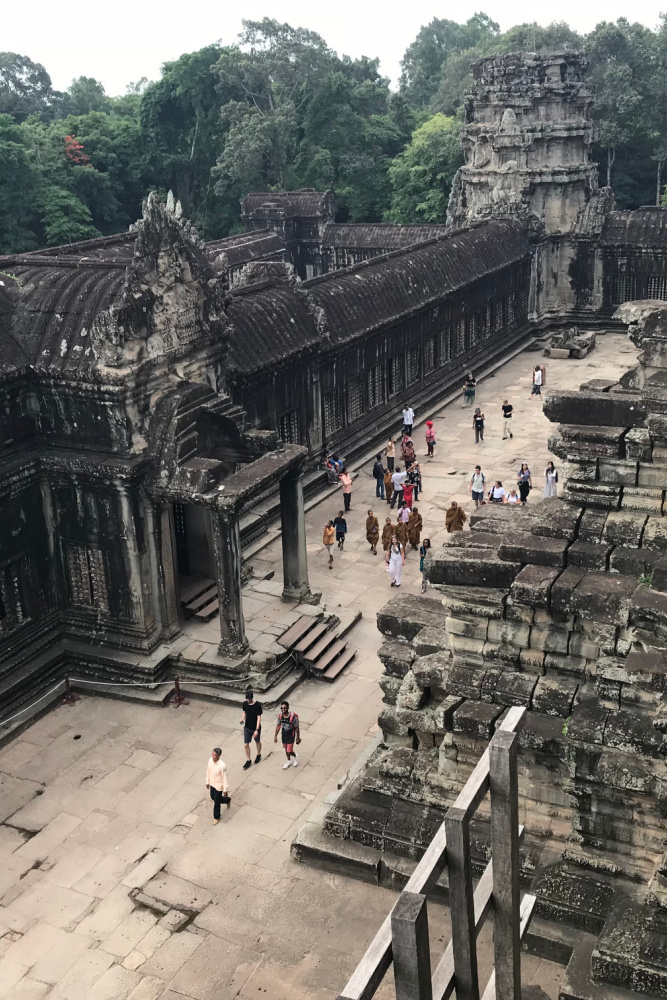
(430, 438)
(346, 482)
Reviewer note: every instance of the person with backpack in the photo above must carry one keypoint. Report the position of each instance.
(478, 425)
(469, 387)
(551, 481)
(430, 438)
(288, 724)
(477, 486)
(340, 524)
(378, 475)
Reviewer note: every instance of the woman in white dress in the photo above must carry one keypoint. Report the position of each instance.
(551, 481)
(395, 560)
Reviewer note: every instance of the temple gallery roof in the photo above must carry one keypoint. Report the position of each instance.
(257, 245)
(307, 203)
(385, 236)
(272, 321)
(646, 226)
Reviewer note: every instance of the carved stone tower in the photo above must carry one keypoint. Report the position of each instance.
(527, 141)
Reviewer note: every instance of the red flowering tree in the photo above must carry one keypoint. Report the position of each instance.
(75, 153)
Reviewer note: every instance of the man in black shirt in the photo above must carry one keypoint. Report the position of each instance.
(378, 474)
(252, 727)
(507, 419)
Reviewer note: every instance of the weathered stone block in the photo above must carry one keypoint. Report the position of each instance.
(579, 645)
(655, 352)
(563, 589)
(432, 670)
(475, 628)
(487, 602)
(410, 695)
(554, 619)
(555, 519)
(589, 555)
(444, 713)
(557, 352)
(532, 660)
(659, 574)
(604, 597)
(515, 633)
(535, 549)
(642, 498)
(430, 640)
(477, 719)
(587, 723)
(618, 471)
(649, 610)
(466, 680)
(566, 663)
(514, 688)
(532, 586)
(548, 639)
(491, 678)
(390, 686)
(396, 656)
(595, 409)
(501, 652)
(632, 562)
(603, 635)
(624, 528)
(593, 495)
(583, 472)
(477, 538)
(638, 444)
(408, 614)
(632, 731)
(654, 475)
(516, 611)
(554, 696)
(655, 535)
(592, 525)
(657, 427)
(472, 568)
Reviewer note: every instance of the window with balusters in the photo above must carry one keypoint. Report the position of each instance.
(87, 576)
(13, 610)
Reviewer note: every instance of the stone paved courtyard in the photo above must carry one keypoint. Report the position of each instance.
(114, 883)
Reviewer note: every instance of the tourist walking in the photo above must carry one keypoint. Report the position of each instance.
(415, 525)
(455, 517)
(497, 492)
(408, 490)
(372, 531)
(507, 419)
(346, 483)
(387, 532)
(216, 782)
(402, 525)
(423, 549)
(395, 560)
(328, 540)
(478, 425)
(469, 387)
(408, 419)
(430, 438)
(252, 727)
(397, 479)
(388, 486)
(538, 381)
(407, 450)
(551, 481)
(390, 452)
(524, 483)
(414, 477)
(340, 524)
(288, 725)
(477, 486)
(378, 475)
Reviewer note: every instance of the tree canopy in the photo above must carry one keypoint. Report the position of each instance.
(281, 109)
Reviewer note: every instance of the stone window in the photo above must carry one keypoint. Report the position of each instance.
(12, 604)
(429, 355)
(355, 398)
(485, 321)
(289, 427)
(395, 374)
(445, 352)
(499, 314)
(511, 309)
(459, 336)
(333, 412)
(624, 288)
(87, 577)
(375, 386)
(656, 286)
(412, 365)
(473, 329)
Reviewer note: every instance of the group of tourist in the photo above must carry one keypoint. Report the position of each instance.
(518, 495)
(287, 724)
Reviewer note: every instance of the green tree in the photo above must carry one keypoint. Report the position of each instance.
(66, 219)
(18, 182)
(85, 94)
(421, 176)
(25, 88)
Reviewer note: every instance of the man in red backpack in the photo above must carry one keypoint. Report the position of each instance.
(288, 722)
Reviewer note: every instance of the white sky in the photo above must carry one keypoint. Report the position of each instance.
(119, 41)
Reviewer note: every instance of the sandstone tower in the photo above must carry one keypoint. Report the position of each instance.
(527, 141)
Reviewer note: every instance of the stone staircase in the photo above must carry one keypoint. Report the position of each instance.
(199, 598)
(319, 644)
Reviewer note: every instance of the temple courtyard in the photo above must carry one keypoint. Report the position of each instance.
(113, 882)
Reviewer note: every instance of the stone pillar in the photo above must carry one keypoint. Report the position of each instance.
(293, 523)
(227, 555)
(164, 595)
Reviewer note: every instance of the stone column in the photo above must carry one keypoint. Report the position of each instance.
(293, 523)
(227, 556)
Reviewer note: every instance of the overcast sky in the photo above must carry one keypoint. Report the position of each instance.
(120, 41)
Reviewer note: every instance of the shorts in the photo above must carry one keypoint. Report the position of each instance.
(249, 734)
(537, 390)
(289, 747)
(477, 496)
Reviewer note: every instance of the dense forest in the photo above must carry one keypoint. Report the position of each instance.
(282, 110)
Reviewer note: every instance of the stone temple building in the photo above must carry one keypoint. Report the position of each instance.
(164, 400)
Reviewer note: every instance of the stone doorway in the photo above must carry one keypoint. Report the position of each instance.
(195, 566)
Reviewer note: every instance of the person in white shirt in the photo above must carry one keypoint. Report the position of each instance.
(408, 419)
(477, 484)
(497, 493)
(216, 782)
(551, 484)
(398, 478)
(538, 378)
(513, 496)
